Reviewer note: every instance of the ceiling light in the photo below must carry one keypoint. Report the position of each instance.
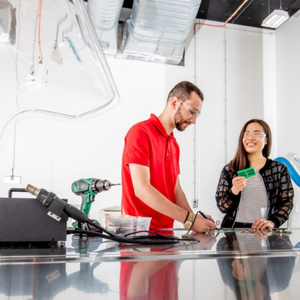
(275, 19)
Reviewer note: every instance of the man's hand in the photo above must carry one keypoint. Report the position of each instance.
(210, 218)
(206, 240)
(202, 225)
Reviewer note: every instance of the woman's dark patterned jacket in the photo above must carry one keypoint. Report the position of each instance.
(279, 190)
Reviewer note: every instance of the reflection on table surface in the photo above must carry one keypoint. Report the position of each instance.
(225, 264)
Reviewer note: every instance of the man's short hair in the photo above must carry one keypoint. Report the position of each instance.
(183, 90)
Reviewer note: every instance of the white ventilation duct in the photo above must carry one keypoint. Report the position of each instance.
(7, 22)
(105, 15)
(159, 29)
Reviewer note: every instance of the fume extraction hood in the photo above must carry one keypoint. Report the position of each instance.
(156, 31)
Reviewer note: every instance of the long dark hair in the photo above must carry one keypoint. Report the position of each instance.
(240, 160)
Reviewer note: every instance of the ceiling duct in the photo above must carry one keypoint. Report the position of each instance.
(158, 29)
(105, 15)
(7, 22)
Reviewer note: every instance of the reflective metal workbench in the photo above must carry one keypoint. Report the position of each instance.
(236, 264)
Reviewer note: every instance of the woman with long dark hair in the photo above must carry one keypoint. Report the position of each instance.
(263, 201)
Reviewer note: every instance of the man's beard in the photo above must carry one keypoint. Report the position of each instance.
(179, 121)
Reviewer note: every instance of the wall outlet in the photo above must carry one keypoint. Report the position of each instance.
(12, 179)
(195, 203)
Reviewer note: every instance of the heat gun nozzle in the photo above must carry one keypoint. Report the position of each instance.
(32, 190)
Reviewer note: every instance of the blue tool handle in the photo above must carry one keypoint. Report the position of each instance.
(293, 173)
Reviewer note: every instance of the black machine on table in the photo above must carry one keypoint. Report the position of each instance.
(59, 209)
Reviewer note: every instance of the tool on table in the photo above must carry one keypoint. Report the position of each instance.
(247, 172)
(57, 208)
(88, 188)
(24, 222)
(204, 215)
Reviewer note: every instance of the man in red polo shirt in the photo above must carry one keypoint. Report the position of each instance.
(150, 164)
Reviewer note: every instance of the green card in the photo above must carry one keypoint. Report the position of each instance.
(247, 172)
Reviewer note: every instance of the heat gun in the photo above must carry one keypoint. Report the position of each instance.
(88, 188)
(57, 208)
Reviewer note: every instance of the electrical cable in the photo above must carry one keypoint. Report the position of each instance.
(242, 11)
(39, 31)
(34, 40)
(155, 238)
(143, 240)
(192, 223)
(90, 222)
(163, 236)
(197, 213)
(152, 232)
(223, 25)
(94, 51)
(17, 96)
(59, 209)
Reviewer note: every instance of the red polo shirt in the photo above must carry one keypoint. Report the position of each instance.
(163, 284)
(148, 144)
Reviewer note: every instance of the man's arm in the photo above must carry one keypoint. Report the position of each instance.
(140, 176)
(180, 198)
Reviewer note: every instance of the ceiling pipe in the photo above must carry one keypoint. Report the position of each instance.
(223, 25)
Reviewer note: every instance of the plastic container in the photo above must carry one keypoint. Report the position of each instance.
(126, 223)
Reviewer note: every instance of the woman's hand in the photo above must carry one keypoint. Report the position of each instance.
(263, 234)
(238, 183)
(238, 270)
(262, 223)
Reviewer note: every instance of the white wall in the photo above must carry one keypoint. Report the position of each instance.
(287, 88)
(235, 70)
(231, 70)
(288, 96)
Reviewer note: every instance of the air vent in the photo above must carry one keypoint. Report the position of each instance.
(158, 29)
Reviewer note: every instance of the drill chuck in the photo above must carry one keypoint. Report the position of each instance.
(91, 186)
(102, 185)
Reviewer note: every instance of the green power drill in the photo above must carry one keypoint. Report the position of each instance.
(87, 189)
